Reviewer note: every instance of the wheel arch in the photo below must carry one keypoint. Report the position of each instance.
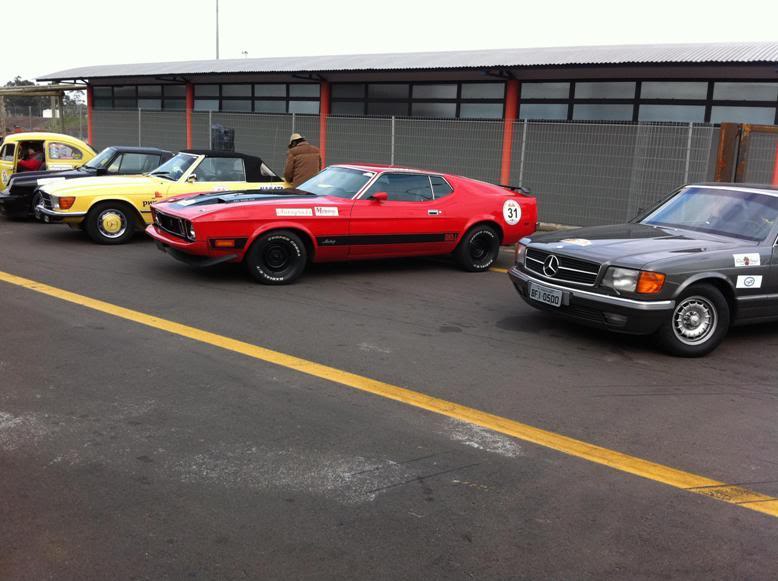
(305, 235)
(717, 280)
(484, 221)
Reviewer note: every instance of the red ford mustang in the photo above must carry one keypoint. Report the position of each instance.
(346, 212)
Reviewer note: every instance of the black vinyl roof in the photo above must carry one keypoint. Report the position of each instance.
(253, 163)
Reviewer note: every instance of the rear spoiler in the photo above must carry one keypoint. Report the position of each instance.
(517, 189)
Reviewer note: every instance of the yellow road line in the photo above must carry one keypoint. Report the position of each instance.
(498, 269)
(624, 462)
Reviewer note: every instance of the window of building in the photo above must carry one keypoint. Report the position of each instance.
(263, 106)
(241, 105)
(304, 90)
(545, 90)
(481, 110)
(447, 91)
(305, 107)
(174, 90)
(173, 104)
(206, 90)
(745, 91)
(388, 90)
(685, 113)
(236, 90)
(434, 110)
(673, 90)
(270, 90)
(348, 91)
(150, 104)
(605, 90)
(402, 187)
(388, 108)
(206, 105)
(347, 108)
(146, 91)
(760, 115)
(596, 112)
(483, 90)
(549, 111)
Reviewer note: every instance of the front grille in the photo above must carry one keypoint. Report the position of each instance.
(572, 270)
(46, 199)
(170, 224)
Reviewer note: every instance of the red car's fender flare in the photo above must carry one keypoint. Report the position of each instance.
(485, 219)
(284, 225)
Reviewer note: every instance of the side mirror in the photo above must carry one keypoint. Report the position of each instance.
(380, 197)
(191, 179)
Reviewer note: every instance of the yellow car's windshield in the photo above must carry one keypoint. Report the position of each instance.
(175, 167)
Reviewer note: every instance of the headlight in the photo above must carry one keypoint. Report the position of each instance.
(190, 231)
(521, 250)
(621, 279)
(629, 280)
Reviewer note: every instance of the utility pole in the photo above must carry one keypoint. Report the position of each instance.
(217, 30)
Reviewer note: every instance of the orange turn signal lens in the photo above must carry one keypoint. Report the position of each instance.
(66, 203)
(224, 243)
(650, 283)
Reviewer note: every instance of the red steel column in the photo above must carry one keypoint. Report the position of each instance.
(90, 97)
(189, 108)
(324, 111)
(511, 110)
(775, 167)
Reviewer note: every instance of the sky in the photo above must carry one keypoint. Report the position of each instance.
(155, 30)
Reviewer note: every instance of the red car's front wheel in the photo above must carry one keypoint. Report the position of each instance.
(277, 257)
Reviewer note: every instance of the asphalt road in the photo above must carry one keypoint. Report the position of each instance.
(127, 452)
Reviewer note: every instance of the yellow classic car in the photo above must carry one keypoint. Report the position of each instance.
(112, 209)
(37, 151)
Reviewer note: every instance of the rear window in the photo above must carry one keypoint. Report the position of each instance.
(7, 153)
(440, 187)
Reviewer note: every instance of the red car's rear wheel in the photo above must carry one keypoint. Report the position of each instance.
(478, 249)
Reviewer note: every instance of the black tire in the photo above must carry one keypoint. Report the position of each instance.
(36, 199)
(478, 249)
(111, 223)
(698, 323)
(277, 257)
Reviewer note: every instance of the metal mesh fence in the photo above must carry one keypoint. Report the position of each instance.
(761, 158)
(595, 173)
(583, 173)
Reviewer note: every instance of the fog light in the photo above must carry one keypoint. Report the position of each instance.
(615, 320)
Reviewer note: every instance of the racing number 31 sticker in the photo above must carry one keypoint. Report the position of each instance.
(511, 211)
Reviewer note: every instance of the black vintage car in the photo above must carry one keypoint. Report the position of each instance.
(703, 259)
(21, 196)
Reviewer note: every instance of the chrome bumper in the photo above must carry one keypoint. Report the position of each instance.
(524, 278)
(55, 214)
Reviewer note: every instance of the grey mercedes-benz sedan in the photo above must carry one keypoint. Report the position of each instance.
(703, 259)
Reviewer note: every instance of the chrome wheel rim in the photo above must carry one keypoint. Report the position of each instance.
(694, 320)
(111, 223)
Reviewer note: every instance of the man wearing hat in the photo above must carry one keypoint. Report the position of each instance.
(302, 162)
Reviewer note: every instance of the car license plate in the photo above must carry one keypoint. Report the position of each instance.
(546, 295)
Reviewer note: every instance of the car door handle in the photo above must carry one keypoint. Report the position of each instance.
(434, 212)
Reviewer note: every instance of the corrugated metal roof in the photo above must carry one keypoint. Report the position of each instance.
(745, 52)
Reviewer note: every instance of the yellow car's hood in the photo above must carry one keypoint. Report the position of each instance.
(114, 184)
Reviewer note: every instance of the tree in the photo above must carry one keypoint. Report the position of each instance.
(22, 104)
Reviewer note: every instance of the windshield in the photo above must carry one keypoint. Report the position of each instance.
(102, 159)
(736, 213)
(339, 182)
(175, 167)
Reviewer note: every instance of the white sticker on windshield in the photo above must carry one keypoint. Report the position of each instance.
(511, 211)
(44, 181)
(294, 212)
(326, 211)
(750, 259)
(749, 281)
